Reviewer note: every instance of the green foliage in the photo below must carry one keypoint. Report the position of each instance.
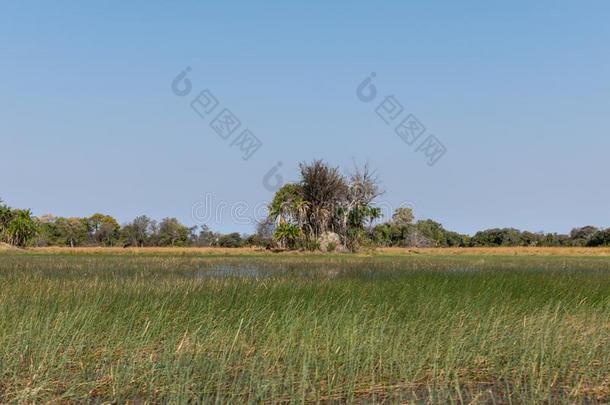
(286, 202)
(582, 236)
(206, 237)
(432, 231)
(73, 231)
(324, 200)
(600, 238)
(21, 229)
(173, 233)
(356, 238)
(325, 191)
(138, 232)
(360, 215)
(510, 237)
(308, 245)
(497, 237)
(403, 217)
(48, 232)
(103, 230)
(287, 235)
(400, 231)
(263, 237)
(231, 240)
(6, 215)
(17, 227)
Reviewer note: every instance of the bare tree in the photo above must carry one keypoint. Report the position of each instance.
(324, 189)
(325, 200)
(357, 207)
(364, 184)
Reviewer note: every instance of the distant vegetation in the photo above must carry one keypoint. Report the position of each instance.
(324, 210)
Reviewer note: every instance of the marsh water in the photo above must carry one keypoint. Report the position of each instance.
(199, 267)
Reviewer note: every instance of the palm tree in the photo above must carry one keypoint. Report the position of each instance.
(21, 229)
(324, 188)
(324, 200)
(287, 235)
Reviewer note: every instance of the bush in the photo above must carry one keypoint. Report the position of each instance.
(232, 240)
(309, 245)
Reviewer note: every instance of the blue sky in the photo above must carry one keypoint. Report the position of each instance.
(518, 92)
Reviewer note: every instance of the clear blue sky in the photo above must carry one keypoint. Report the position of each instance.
(519, 93)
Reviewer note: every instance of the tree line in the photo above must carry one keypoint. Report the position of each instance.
(324, 201)
(324, 210)
(428, 233)
(20, 228)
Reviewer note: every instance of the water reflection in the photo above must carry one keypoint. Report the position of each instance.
(227, 270)
(327, 271)
(255, 271)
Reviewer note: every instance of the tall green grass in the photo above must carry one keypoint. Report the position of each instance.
(164, 328)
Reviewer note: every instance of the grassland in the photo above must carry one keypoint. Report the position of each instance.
(492, 326)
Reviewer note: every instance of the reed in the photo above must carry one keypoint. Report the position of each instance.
(178, 327)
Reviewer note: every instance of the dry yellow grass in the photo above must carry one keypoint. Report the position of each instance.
(6, 246)
(160, 250)
(499, 251)
(504, 251)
